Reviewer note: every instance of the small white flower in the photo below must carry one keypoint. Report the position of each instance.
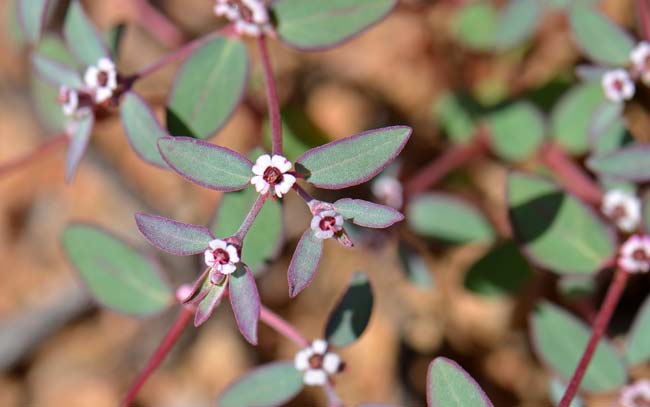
(623, 208)
(271, 174)
(326, 224)
(69, 99)
(101, 79)
(618, 85)
(250, 17)
(221, 256)
(640, 57)
(317, 364)
(635, 395)
(635, 254)
(389, 190)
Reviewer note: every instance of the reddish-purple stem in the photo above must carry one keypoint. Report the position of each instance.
(48, 145)
(157, 24)
(276, 322)
(183, 318)
(571, 176)
(451, 159)
(616, 288)
(250, 217)
(271, 97)
(643, 11)
(302, 193)
(176, 55)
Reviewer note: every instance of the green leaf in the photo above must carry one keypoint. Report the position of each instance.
(444, 217)
(629, 163)
(449, 385)
(555, 229)
(367, 214)
(612, 138)
(79, 139)
(516, 131)
(54, 48)
(211, 301)
(351, 315)
(304, 262)
(264, 239)
(31, 16)
(142, 128)
(571, 119)
(574, 287)
(205, 164)
(476, 25)
(502, 271)
(598, 37)
(82, 37)
(245, 302)
(208, 88)
(638, 340)
(456, 114)
(517, 22)
(353, 160)
(269, 385)
(414, 266)
(177, 238)
(45, 98)
(55, 72)
(556, 391)
(559, 339)
(116, 275)
(318, 24)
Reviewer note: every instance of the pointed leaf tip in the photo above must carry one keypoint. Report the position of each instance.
(180, 239)
(245, 302)
(304, 262)
(449, 385)
(351, 316)
(367, 214)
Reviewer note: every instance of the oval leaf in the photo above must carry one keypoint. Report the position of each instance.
(353, 160)
(456, 114)
(142, 128)
(205, 164)
(638, 342)
(560, 339)
(117, 276)
(444, 217)
(367, 214)
(269, 385)
(414, 266)
(318, 24)
(449, 385)
(31, 16)
(628, 163)
(245, 302)
(207, 88)
(211, 300)
(556, 230)
(600, 39)
(83, 39)
(79, 138)
(350, 318)
(517, 22)
(516, 131)
(55, 72)
(304, 262)
(475, 26)
(180, 239)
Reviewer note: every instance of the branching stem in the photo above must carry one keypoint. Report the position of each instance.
(47, 146)
(283, 327)
(272, 97)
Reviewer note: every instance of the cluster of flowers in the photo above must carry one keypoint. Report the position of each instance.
(100, 83)
(250, 17)
(619, 84)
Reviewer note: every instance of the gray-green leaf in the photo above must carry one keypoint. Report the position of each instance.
(269, 385)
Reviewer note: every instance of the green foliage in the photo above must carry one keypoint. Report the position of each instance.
(448, 385)
(142, 128)
(351, 315)
(269, 385)
(82, 37)
(516, 130)
(629, 163)
(31, 16)
(638, 341)
(503, 270)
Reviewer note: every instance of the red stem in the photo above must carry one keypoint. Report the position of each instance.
(276, 322)
(176, 55)
(158, 24)
(272, 97)
(184, 316)
(447, 162)
(571, 176)
(643, 11)
(250, 218)
(616, 288)
(48, 145)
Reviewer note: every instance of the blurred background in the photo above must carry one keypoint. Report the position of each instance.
(58, 349)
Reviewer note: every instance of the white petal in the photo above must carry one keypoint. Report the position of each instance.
(331, 363)
(285, 186)
(324, 234)
(228, 268)
(338, 221)
(263, 161)
(630, 245)
(315, 223)
(105, 64)
(102, 94)
(319, 346)
(256, 180)
(281, 163)
(209, 258)
(301, 360)
(90, 77)
(232, 253)
(217, 244)
(314, 377)
(628, 264)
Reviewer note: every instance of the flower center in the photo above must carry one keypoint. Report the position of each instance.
(619, 212)
(245, 12)
(102, 78)
(327, 223)
(221, 256)
(640, 255)
(272, 175)
(641, 401)
(316, 361)
(618, 85)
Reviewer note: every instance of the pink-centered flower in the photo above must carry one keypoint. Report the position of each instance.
(221, 257)
(617, 85)
(640, 58)
(326, 224)
(101, 79)
(317, 363)
(250, 17)
(389, 191)
(634, 256)
(635, 395)
(623, 208)
(271, 174)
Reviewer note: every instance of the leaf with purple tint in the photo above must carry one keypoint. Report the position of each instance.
(314, 25)
(82, 37)
(351, 315)
(245, 302)
(180, 239)
(205, 164)
(629, 163)
(79, 138)
(117, 276)
(56, 73)
(638, 340)
(211, 301)
(449, 385)
(367, 214)
(304, 262)
(31, 16)
(272, 384)
(142, 128)
(353, 160)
